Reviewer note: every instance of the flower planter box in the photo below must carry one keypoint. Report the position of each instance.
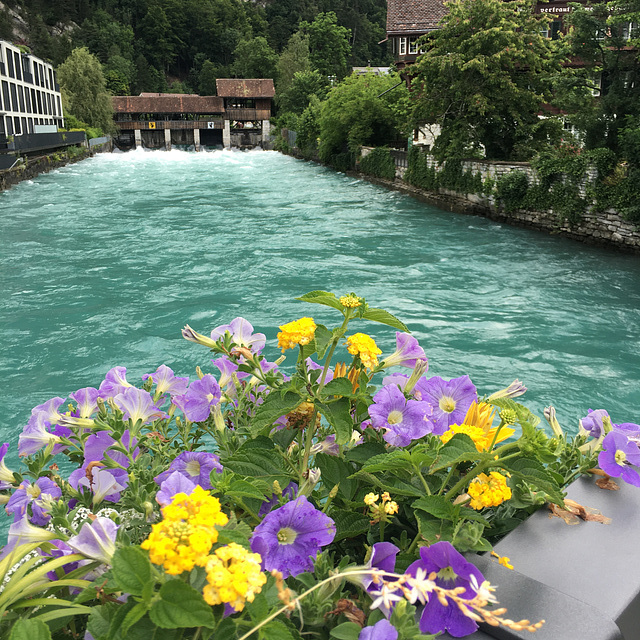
(584, 580)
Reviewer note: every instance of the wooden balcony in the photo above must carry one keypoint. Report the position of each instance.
(247, 114)
(169, 124)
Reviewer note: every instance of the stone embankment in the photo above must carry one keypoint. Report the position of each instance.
(33, 167)
(607, 229)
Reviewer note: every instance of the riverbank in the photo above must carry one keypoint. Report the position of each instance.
(606, 229)
(33, 167)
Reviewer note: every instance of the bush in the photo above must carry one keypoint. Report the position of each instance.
(419, 173)
(379, 164)
(511, 190)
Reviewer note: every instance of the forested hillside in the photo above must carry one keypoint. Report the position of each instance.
(184, 45)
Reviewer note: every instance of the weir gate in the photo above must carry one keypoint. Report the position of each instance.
(238, 117)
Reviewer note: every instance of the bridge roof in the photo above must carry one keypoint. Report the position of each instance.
(414, 16)
(168, 103)
(256, 88)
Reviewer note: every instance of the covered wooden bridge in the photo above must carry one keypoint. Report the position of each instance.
(237, 117)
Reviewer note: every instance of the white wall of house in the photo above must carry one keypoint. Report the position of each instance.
(29, 93)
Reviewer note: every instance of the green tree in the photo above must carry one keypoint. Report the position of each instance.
(293, 59)
(365, 109)
(305, 84)
(329, 47)
(209, 73)
(602, 97)
(83, 87)
(254, 59)
(484, 77)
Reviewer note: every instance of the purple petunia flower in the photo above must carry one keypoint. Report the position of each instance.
(404, 420)
(101, 442)
(289, 538)
(105, 484)
(114, 382)
(382, 630)
(289, 493)
(452, 571)
(174, 483)
(39, 431)
(60, 549)
(96, 540)
(167, 382)
(407, 352)
(137, 405)
(39, 495)
(200, 398)
(242, 335)
(314, 366)
(618, 452)
(450, 400)
(383, 557)
(87, 401)
(194, 465)
(593, 422)
(6, 475)
(328, 446)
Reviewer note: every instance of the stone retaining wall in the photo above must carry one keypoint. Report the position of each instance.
(604, 229)
(33, 167)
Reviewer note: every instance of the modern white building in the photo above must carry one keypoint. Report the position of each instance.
(29, 93)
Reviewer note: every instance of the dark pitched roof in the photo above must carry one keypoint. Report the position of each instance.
(167, 103)
(414, 16)
(257, 88)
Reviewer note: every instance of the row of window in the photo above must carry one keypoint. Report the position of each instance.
(405, 46)
(21, 99)
(25, 68)
(18, 125)
(409, 46)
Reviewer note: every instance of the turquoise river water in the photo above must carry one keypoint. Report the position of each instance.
(103, 262)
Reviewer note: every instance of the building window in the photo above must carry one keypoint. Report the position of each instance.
(30, 124)
(21, 98)
(403, 46)
(18, 66)
(10, 63)
(59, 106)
(16, 126)
(39, 94)
(14, 98)
(5, 95)
(27, 99)
(413, 46)
(9, 126)
(36, 75)
(629, 30)
(49, 111)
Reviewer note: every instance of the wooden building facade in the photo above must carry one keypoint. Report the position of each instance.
(237, 117)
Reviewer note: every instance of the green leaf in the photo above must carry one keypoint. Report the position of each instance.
(349, 524)
(364, 452)
(132, 617)
(322, 297)
(336, 471)
(322, 338)
(346, 631)
(30, 629)
(433, 529)
(339, 387)
(276, 630)
(384, 317)
(438, 506)
(181, 606)
(131, 569)
(459, 449)
(532, 472)
(99, 620)
(398, 460)
(274, 406)
(339, 417)
(244, 489)
(257, 459)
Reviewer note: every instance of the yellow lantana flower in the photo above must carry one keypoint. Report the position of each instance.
(360, 344)
(488, 490)
(234, 576)
(297, 332)
(350, 301)
(186, 534)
